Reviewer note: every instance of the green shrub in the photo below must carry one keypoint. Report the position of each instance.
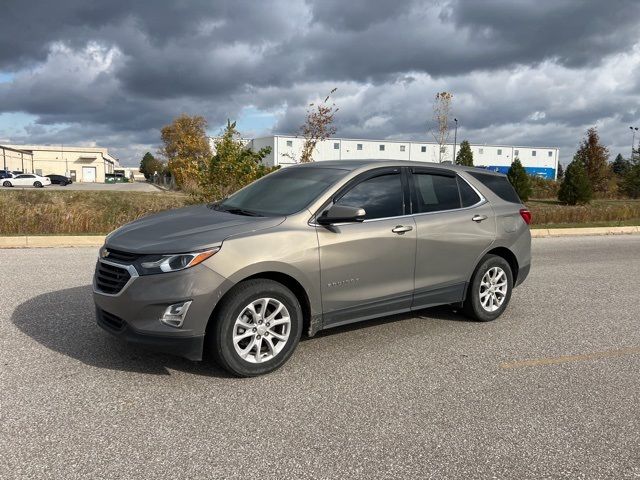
(575, 188)
(518, 177)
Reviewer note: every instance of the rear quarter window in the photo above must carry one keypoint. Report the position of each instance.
(498, 185)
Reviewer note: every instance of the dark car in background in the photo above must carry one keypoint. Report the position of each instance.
(5, 174)
(59, 180)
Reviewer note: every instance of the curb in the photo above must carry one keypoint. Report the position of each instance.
(47, 241)
(579, 232)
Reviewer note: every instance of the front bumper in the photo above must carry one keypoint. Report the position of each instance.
(134, 312)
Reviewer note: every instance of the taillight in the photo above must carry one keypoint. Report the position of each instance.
(526, 215)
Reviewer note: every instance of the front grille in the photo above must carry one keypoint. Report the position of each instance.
(122, 257)
(110, 278)
(111, 321)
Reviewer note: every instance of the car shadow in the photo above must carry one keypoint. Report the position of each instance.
(64, 321)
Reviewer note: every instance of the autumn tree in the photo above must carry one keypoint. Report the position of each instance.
(465, 155)
(150, 165)
(317, 127)
(576, 187)
(186, 147)
(233, 166)
(595, 159)
(518, 177)
(441, 114)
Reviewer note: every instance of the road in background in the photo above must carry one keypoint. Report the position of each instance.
(548, 390)
(101, 187)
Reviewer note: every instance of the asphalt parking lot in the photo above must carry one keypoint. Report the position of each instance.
(548, 390)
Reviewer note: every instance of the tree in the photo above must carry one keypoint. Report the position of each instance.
(186, 147)
(441, 113)
(318, 126)
(233, 166)
(620, 165)
(560, 172)
(518, 177)
(595, 159)
(465, 155)
(576, 187)
(630, 185)
(150, 165)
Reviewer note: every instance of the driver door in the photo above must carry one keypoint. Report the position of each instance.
(367, 268)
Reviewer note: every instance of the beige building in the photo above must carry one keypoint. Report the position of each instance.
(81, 164)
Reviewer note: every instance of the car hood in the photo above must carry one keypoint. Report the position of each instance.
(184, 230)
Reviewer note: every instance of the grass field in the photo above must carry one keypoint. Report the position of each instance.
(42, 212)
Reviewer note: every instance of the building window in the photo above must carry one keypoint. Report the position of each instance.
(481, 151)
(550, 153)
(533, 153)
(359, 146)
(402, 148)
(381, 148)
(499, 151)
(289, 143)
(516, 153)
(336, 146)
(423, 148)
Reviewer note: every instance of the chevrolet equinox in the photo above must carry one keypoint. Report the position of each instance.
(310, 247)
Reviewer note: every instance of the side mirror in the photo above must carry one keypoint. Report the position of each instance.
(341, 214)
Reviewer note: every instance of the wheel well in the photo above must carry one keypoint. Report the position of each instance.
(289, 282)
(509, 257)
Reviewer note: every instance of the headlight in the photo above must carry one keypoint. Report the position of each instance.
(173, 263)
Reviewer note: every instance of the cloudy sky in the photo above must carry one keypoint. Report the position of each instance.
(112, 73)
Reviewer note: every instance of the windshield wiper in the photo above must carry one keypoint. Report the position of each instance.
(240, 211)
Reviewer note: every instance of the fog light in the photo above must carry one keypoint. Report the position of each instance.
(174, 314)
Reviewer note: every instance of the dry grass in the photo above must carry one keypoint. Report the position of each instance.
(550, 213)
(37, 212)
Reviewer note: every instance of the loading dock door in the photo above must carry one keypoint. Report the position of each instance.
(88, 174)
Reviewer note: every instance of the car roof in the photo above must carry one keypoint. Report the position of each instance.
(356, 164)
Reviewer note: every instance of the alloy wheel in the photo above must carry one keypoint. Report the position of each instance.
(493, 289)
(261, 330)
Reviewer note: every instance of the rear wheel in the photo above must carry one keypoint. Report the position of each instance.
(37, 184)
(490, 289)
(6, 184)
(257, 328)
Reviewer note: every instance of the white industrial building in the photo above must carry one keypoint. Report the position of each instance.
(285, 150)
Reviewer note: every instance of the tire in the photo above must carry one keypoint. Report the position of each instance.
(7, 184)
(236, 307)
(37, 184)
(63, 184)
(482, 303)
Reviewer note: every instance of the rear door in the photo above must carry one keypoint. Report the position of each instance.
(455, 225)
(367, 268)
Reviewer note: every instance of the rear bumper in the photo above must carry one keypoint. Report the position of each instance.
(523, 273)
(190, 347)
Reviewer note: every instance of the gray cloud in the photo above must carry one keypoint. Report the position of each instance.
(521, 72)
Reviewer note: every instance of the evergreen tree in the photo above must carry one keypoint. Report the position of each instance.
(595, 159)
(560, 172)
(620, 165)
(465, 155)
(575, 188)
(518, 177)
(630, 185)
(150, 165)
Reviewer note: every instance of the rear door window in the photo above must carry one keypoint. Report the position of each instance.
(435, 193)
(499, 185)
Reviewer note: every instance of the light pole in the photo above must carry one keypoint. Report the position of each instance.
(633, 139)
(455, 139)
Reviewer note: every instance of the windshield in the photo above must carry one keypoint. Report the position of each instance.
(284, 192)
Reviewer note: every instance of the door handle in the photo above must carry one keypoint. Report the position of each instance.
(479, 218)
(401, 229)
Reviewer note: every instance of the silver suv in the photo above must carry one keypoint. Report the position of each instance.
(310, 247)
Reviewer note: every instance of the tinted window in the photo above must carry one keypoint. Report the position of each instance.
(380, 196)
(435, 193)
(284, 192)
(467, 194)
(499, 185)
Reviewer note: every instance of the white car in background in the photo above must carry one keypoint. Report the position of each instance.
(26, 180)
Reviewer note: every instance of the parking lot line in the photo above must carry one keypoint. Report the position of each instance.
(538, 362)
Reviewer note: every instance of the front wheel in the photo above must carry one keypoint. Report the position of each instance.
(257, 327)
(6, 184)
(490, 289)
